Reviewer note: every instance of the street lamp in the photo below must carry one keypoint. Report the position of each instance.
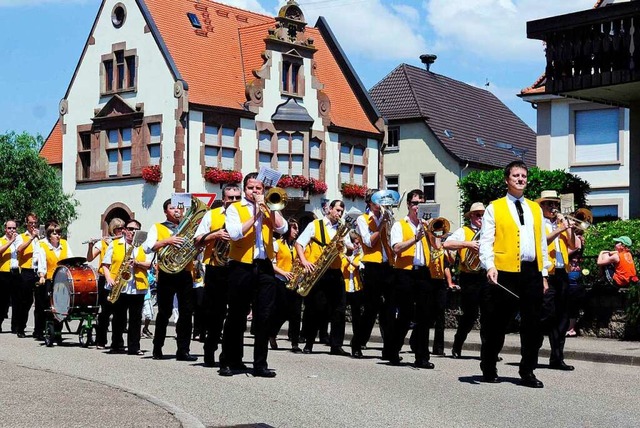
(519, 153)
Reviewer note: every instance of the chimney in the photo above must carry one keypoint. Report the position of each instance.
(428, 59)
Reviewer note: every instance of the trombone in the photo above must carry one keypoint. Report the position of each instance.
(581, 218)
(275, 199)
(437, 228)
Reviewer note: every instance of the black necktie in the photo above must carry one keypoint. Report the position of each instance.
(520, 212)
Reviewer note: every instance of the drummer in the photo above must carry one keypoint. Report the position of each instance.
(131, 298)
(53, 249)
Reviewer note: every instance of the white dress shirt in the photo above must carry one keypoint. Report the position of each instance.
(550, 226)
(130, 288)
(527, 236)
(42, 262)
(152, 235)
(365, 233)
(310, 232)
(396, 238)
(205, 224)
(13, 249)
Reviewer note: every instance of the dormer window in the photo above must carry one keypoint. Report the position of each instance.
(119, 73)
(292, 76)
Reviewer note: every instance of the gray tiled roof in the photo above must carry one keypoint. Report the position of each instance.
(465, 112)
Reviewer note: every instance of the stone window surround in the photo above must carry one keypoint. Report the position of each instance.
(99, 167)
(573, 108)
(619, 202)
(128, 87)
(221, 121)
(353, 141)
(292, 60)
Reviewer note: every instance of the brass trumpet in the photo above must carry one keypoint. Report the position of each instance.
(275, 199)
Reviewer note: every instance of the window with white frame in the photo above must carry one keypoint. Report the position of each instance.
(597, 135)
(604, 213)
(392, 182)
(119, 152)
(153, 146)
(265, 149)
(315, 158)
(428, 182)
(393, 138)
(290, 153)
(352, 166)
(219, 146)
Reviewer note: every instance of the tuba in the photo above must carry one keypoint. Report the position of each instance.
(172, 259)
(387, 199)
(124, 272)
(220, 252)
(436, 228)
(472, 259)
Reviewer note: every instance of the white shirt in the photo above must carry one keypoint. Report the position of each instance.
(365, 232)
(310, 232)
(396, 238)
(205, 224)
(234, 227)
(459, 236)
(42, 262)
(527, 236)
(130, 288)
(550, 226)
(13, 248)
(152, 235)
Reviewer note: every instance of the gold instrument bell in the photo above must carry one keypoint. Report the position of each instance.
(276, 199)
(583, 218)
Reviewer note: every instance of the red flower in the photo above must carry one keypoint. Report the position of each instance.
(152, 174)
(293, 181)
(217, 175)
(353, 191)
(317, 187)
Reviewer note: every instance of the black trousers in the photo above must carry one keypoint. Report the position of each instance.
(376, 280)
(439, 307)
(23, 300)
(288, 308)
(412, 299)
(216, 298)
(199, 312)
(472, 285)
(356, 301)
(499, 307)
(106, 310)
(127, 307)
(249, 283)
(327, 297)
(555, 314)
(42, 302)
(9, 285)
(169, 285)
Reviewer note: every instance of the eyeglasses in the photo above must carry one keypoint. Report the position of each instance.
(57, 231)
(415, 203)
(11, 227)
(234, 198)
(32, 223)
(132, 229)
(478, 215)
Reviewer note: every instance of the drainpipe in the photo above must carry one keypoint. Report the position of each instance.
(460, 178)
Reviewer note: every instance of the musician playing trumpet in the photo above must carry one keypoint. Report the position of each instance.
(28, 244)
(132, 295)
(211, 234)
(250, 224)
(472, 282)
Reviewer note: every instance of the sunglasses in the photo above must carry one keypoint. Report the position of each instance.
(234, 198)
(415, 203)
(32, 223)
(132, 229)
(57, 231)
(11, 227)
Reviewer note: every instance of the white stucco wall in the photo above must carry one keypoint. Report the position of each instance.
(154, 89)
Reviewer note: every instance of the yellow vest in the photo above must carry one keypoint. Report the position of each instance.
(163, 233)
(217, 222)
(347, 268)
(552, 253)
(139, 273)
(372, 254)
(405, 259)
(242, 249)
(468, 235)
(285, 256)
(315, 245)
(50, 255)
(436, 267)
(506, 246)
(25, 258)
(5, 258)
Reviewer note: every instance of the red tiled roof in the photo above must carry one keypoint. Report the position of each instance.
(218, 60)
(52, 148)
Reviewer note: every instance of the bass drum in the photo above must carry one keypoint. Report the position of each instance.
(75, 291)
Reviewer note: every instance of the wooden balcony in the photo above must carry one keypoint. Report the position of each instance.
(594, 54)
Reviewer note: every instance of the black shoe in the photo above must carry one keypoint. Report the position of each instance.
(209, 361)
(394, 360)
(389, 357)
(138, 352)
(238, 367)
(490, 377)
(561, 366)
(157, 354)
(296, 349)
(438, 352)
(185, 356)
(530, 380)
(225, 371)
(273, 343)
(339, 351)
(356, 353)
(423, 364)
(263, 373)
(117, 350)
(456, 353)
(325, 341)
(21, 335)
(307, 350)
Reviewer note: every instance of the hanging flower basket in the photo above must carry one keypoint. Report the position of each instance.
(350, 190)
(317, 187)
(151, 174)
(222, 176)
(293, 182)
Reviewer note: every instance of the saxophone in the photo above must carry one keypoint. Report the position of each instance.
(172, 259)
(124, 272)
(302, 282)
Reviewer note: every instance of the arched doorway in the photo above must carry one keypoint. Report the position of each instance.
(115, 210)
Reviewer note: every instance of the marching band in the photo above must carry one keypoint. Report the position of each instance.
(512, 256)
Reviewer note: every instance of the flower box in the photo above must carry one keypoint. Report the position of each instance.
(350, 190)
(222, 176)
(152, 174)
(317, 187)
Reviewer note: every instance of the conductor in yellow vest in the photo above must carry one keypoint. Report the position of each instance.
(171, 284)
(210, 233)
(10, 280)
(129, 304)
(513, 250)
(412, 286)
(328, 296)
(250, 224)
(555, 308)
(28, 250)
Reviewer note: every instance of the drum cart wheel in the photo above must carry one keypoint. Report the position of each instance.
(49, 334)
(86, 335)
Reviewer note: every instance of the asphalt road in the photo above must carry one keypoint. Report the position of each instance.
(315, 390)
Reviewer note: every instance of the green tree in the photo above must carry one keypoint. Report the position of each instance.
(486, 186)
(29, 184)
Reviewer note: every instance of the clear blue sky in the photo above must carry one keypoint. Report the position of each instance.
(477, 41)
